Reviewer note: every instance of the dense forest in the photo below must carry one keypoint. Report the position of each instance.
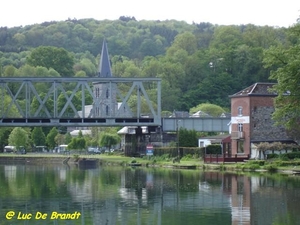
(198, 63)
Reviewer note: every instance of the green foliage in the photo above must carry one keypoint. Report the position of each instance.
(283, 60)
(213, 149)
(62, 100)
(270, 168)
(109, 139)
(290, 155)
(50, 139)
(7, 108)
(77, 143)
(210, 109)
(68, 138)
(188, 138)
(52, 57)
(18, 137)
(273, 156)
(4, 134)
(256, 162)
(38, 137)
(198, 63)
(171, 152)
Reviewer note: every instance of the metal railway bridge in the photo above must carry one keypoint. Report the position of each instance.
(70, 102)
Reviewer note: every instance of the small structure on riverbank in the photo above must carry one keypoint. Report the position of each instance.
(86, 163)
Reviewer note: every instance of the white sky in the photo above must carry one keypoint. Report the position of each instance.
(223, 12)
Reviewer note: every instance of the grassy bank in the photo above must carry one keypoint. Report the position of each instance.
(290, 166)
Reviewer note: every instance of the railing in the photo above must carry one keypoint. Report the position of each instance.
(217, 158)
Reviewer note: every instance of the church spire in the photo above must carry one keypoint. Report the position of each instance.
(104, 66)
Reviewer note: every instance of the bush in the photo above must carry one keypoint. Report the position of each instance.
(256, 162)
(271, 168)
(253, 167)
(173, 151)
(272, 156)
(293, 155)
(214, 149)
(187, 157)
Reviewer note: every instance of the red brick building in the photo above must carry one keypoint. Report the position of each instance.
(251, 119)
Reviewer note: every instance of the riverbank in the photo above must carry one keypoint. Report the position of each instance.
(185, 163)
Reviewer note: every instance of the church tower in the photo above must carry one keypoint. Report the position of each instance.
(105, 104)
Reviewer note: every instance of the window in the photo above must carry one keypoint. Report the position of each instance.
(240, 147)
(201, 144)
(107, 93)
(240, 127)
(240, 111)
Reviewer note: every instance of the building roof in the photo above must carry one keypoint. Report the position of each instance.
(200, 114)
(104, 65)
(87, 111)
(75, 133)
(257, 89)
(217, 138)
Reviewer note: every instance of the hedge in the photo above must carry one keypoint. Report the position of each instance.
(173, 151)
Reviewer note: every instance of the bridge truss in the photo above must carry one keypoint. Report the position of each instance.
(33, 101)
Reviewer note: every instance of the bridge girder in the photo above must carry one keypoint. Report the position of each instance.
(23, 105)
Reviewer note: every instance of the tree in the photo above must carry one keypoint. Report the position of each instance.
(210, 109)
(52, 57)
(109, 140)
(188, 138)
(18, 137)
(4, 135)
(51, 138)
(61, 102)
(284, 63)
(38, 136)
(77, 142)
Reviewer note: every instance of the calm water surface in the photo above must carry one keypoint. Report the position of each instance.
(114, 195)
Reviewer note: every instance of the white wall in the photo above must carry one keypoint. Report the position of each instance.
(205, 142)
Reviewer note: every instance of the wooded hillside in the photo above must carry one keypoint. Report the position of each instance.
(198, 63)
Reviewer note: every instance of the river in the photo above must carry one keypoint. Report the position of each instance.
(112, 195)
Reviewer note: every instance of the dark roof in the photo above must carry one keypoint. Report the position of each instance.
(286, 141)
(257, 89)
(104, 65)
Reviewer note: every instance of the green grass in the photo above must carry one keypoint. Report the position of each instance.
(164, 161)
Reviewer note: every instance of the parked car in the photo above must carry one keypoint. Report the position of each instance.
(9, 149)
(94, 150)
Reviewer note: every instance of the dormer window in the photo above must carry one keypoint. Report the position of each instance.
(240, 111)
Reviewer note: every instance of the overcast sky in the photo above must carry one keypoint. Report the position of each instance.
(223, 12)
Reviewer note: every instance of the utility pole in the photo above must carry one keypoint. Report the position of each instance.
(177, 136)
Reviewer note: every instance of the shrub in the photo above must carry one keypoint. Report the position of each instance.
(271, 168)
(256, 162)
(214, 149)
(272, 156)
(187, 157)
(293, 155)
(254, 166)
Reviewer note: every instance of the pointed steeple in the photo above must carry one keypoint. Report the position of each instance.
(104, 66)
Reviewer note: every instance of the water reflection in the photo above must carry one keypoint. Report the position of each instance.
(113, 195)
